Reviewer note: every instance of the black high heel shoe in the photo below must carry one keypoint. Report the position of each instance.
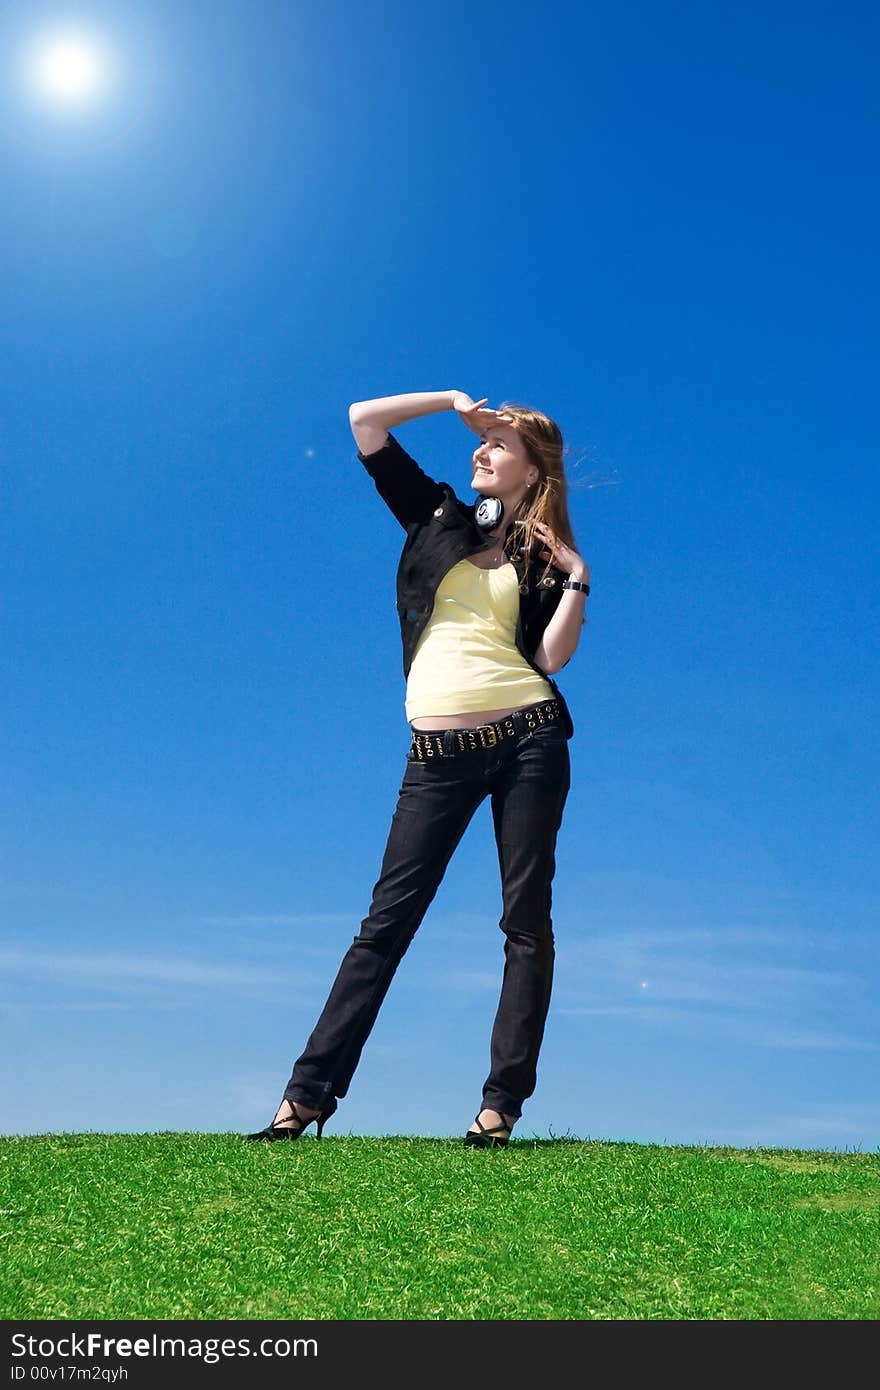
(493, 1137)
(292, 1130)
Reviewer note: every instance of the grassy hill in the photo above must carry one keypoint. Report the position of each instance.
(206, 1226)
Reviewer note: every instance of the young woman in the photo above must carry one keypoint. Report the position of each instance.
(490, 597)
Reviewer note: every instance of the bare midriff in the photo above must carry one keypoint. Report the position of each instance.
(471, 719)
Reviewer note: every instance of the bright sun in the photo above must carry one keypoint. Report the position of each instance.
(69, 68)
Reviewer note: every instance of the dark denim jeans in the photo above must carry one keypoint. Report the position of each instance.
(528, 778)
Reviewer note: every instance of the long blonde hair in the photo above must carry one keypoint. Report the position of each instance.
(547, 501)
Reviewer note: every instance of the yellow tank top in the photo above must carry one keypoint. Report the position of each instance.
(467, 658)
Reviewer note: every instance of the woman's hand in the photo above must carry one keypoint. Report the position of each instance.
(478, 417)
(562, 555)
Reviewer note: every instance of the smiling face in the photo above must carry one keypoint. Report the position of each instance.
(502, 467)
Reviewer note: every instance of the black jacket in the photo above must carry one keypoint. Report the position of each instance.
(440, 531)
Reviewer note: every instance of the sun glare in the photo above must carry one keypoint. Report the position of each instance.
(70, 69)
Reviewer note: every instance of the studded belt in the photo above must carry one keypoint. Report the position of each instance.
(445, 743)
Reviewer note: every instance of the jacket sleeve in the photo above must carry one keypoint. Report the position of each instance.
(403, 486)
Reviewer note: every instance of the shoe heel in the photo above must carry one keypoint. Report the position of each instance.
(290, 1131)
(495, 1137)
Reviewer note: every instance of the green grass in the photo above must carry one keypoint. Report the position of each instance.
(207, 1226)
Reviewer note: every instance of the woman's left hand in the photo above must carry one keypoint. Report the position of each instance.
(562, 555)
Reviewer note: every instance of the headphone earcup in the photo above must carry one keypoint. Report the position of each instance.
(488, 512)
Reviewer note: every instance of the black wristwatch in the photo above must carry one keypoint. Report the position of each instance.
(575, 584)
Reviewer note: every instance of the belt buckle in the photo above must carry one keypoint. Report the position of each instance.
(485, 731)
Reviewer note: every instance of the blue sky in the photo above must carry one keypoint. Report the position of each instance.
(657, 224)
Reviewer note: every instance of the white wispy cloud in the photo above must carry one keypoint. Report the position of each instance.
(468, 979)
(816, 1042)
(738, 968)
(282, 919)
(857, 1126)
(19, 1013)
(855, 1120)
(745, 984)
(119, 971)
(741, 1028)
